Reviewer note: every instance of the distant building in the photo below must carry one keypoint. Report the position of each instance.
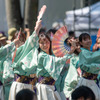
(55, 11)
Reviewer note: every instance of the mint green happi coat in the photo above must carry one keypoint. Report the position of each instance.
(5, 51)
(6, 71)
(25, 62)
(28, 61)
(49, 65)
(68, 78)
(72, 77)
(89, 61)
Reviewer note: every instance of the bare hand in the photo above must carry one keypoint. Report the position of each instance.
(95, 47)
(98, 45)
(73, 42)
(27, 30)
(16, 41)
(38, 26)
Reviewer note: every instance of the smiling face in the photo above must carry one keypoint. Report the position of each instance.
(85, 41)
(44, 43)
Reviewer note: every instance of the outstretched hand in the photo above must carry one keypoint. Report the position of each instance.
(27, 30)
(38, 26)
(16, 41)
(39, 21)
(74, 45)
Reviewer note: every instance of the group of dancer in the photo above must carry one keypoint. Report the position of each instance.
(35, 67)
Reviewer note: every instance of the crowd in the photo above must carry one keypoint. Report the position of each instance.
(30, 71)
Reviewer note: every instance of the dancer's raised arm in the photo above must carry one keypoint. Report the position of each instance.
(4, 50)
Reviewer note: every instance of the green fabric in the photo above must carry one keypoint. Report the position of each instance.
(6, 71)
(68, 78)
(8, 74)
(7, 90)
(4, 52)
(26, 57)
(51, 66)
(89, 61)
(60, 81)
(72, 77)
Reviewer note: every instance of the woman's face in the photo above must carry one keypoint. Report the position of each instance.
(44, 44)
(86, 43)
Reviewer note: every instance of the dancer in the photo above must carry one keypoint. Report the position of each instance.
(89, 63)
(48, 70)
(8, 75)
(25, 64)
(4, 52)
(69, 76)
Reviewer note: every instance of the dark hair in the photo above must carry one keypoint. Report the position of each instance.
(42, 30)
(25, 94)
(66, 41)
(21, 35)
(83, 36)
(51, 30)
(69, 44)
(50, 50)
(83, 91)
(71, 33)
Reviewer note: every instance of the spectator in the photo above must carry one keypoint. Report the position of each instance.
(26, 94)
(3, 39)
(83, 93)
(11, 34)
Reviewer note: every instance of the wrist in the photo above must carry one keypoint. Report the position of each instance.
(16, 41)
(28, 31)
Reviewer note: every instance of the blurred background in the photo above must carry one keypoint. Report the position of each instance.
(78, 15)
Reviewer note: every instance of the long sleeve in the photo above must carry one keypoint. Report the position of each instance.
(6, 49)
(71, 79)
(26, 52)
(53, 65)
(8, 74)
(4, 52)
(89, 61)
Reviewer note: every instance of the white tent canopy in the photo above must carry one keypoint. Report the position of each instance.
(82, 20)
